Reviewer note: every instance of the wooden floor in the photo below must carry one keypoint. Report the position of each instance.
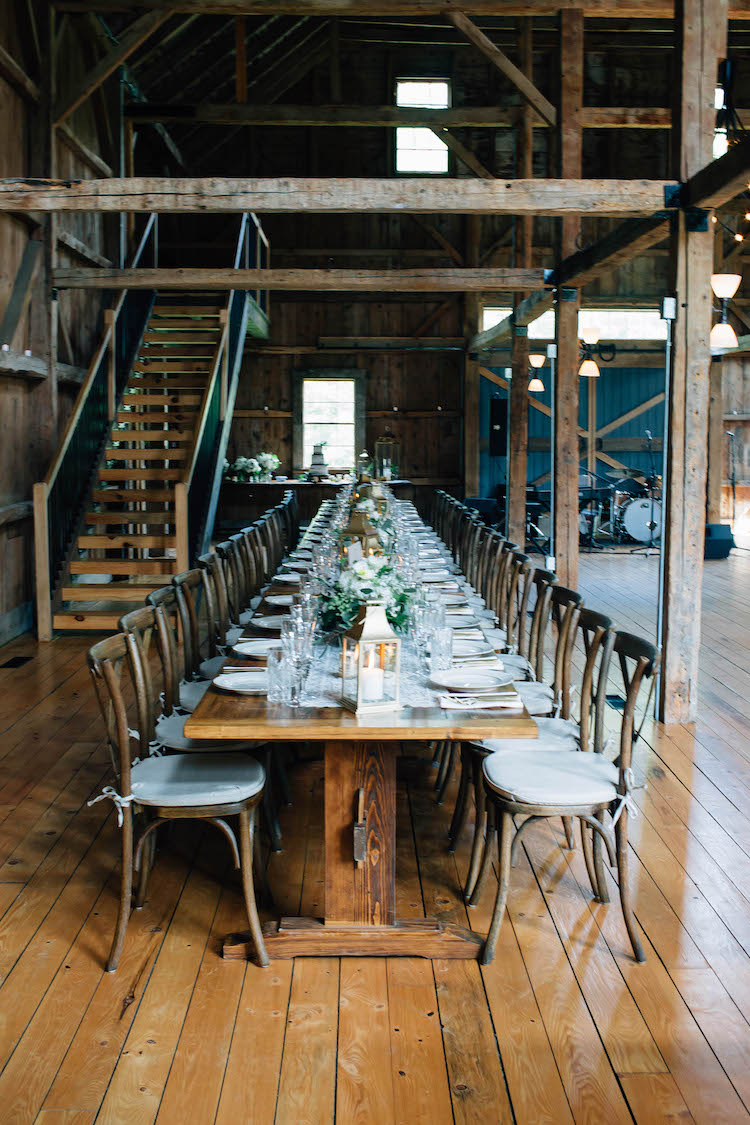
(563, 1027)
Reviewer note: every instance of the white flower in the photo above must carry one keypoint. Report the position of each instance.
(268, 461)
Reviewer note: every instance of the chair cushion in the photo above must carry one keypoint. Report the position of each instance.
(538, 699)
(517, 665)
(554, 734)
(196, 779)
(552, 777)
(209, 669)
(170, 734)
(191, 694)
(234, 632)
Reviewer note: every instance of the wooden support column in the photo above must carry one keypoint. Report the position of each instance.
(702, 41)
(716, 442)
(565, 437)
(519, 387)
(472, 322)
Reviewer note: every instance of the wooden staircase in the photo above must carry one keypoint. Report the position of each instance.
(128, 538)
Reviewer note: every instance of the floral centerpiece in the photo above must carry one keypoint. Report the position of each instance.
(380, 520)
(244, 468)
(372, 579)
(269, 463)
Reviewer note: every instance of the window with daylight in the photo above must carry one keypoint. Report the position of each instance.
(419, 150)
(610, 324)
(329, 407)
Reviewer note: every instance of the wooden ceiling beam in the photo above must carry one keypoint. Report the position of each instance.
(14, 73)
(501, 62)
(130, 40)
(386, 116)
(600, 9)
(418, 195)
(337, 280)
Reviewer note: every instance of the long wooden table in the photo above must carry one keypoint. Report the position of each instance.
(360, 787)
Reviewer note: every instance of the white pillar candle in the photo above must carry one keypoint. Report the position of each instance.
(372, 684)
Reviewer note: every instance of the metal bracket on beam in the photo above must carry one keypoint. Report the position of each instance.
(567, 293)
(673, 196)
(696, 219)
(520, 330)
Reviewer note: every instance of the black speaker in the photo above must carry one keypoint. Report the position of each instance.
(498, 426)
(719, 541)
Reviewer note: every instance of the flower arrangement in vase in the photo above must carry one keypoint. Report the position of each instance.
(367, 580)
(269, 463)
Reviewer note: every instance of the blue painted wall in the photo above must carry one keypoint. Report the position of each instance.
(618, 390)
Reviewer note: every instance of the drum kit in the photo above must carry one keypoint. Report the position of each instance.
(633, 507)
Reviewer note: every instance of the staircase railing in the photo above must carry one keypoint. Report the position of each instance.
(197, 493)
(60, 498)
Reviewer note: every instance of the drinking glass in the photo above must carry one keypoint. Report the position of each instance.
(291, 679)
(274, 671)
(441, 649)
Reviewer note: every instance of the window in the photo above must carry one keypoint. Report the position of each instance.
(419, 149)
(721, 141)
(610, 324)
(328, 407)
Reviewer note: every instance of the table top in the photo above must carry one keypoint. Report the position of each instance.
(223, 715)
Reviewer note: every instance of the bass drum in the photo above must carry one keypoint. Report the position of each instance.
(642, 519)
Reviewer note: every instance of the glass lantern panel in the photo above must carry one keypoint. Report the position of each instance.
(350, 657)
(389, 658)
(371, 675)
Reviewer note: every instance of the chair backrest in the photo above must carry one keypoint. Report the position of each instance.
(518, 564)
(216, 580)
(597, 634)
(234, 577)
(165, 600)
(151, 631)
(639, 661)
(195, 605)
(109, 661)
(543, 582)
(566, 605)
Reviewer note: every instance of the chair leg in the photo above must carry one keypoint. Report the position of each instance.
(461, 811)
(479, 844)
(126, 889)
(588, 856)
(601, 876)
(280, 774)
(247, 831)
(443, 755)
(484, 871)
(506, 839)
(448, 776)
(147, 862)
(621, 837)
(569, 836)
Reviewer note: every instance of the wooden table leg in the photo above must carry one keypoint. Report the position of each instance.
(360, 906)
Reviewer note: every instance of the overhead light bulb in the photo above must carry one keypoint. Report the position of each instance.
(739, 238)
(536, 384)
(725, 285)
(723, 336)
(588, 370)
(590, 337)
(536, 360)
(747, 216)
(714, 219)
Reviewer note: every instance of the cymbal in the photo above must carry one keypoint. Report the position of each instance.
(624, 474)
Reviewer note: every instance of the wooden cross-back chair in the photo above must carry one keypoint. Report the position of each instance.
(582, 784)
(556, 734)
(198, 623)
(151, 790)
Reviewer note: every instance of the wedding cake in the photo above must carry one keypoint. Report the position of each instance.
(318, 467)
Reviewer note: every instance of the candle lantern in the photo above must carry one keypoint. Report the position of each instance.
(364, 466)
(359, 539)
(387, 457)
(371, 662)
(379, 497)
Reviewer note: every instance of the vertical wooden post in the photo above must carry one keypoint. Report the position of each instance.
(110, 320)
(472, 324)
(716, 442)
(565, 437)
(519, 387)
(591, 429)
(518, 426)
(41, 563)
(701, 42)
(181, 526)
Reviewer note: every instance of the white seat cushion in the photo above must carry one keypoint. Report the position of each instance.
(196, 779)
(495, 635)
(552, 777)
(554, 734)
(209, 669)
(234, 632)
(191, 694)
(516, 665)
(538, 699)
(170, 734)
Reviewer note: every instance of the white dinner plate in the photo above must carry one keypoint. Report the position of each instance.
(272, 624)
(280, 599)
(258, 649)
(474, 680)
(469, 648)
(286, 579)
(302, 567)
(253, 682)
(460, 621)
(435, 576)
(454, 600)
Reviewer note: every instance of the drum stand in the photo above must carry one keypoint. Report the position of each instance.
(649, 549)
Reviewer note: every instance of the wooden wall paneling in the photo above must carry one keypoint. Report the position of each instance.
(565, 483)
(701, 44)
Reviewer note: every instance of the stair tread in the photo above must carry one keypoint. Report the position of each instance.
(165, 567)
(155, 519)
(97, 541)
(155, 435)
(109, 591)
(140, 474)
(131, 495)
(148, 454)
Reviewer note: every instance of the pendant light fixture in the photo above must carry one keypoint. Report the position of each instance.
(588, 368)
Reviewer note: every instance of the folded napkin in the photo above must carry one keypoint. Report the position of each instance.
(490, 701)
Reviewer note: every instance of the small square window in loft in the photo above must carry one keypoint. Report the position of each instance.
(419, 150)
